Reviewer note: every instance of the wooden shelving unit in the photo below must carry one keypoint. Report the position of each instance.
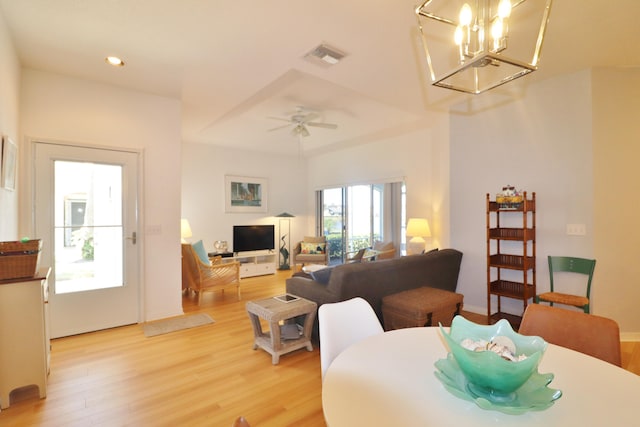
(511, 254)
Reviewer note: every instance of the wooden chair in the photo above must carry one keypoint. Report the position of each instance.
(589, 334)
(201, 277)
(301, 256)
(241, 422)
(569, 265)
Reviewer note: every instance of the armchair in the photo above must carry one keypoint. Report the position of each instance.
(380, 250)
(385, 250)
(200, 277)
(311, 250)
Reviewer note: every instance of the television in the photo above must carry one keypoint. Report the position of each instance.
(247, 238)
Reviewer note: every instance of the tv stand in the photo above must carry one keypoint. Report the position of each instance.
(256, 263)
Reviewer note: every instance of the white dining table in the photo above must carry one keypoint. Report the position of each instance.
(388, 380)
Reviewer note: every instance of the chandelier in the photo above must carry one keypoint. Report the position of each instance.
(476, 45)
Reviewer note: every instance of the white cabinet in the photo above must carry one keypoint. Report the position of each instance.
(255, 263)
(24, 335)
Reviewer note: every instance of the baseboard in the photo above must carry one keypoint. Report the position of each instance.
(629, 336)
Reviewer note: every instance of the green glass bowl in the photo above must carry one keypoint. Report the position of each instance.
(488, 374)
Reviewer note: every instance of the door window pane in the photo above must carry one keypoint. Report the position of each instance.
(332, 220)
(88, 226)
(359, 224)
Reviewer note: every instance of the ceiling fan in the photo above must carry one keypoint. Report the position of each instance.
(300, 119)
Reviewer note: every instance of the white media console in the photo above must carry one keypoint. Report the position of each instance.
(256, 263)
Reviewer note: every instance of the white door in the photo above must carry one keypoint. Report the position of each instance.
(86, 202)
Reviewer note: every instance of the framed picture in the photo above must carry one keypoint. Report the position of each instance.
(9, 163)
(245, 194)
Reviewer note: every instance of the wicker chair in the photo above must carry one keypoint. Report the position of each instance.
(593, 335)
(386, 250)
(299, 257)
(200, 277)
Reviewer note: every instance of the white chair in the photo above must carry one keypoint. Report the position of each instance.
(343, 324)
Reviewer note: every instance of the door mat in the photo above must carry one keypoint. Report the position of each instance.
(176, 324)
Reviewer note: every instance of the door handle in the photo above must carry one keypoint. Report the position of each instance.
(133, 238)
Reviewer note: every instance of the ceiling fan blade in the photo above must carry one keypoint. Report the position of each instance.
(279, 118)
(322, 125)
(311, 116)
(278, 127)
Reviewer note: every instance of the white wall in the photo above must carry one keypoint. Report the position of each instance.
(9, 105)
(544, 143)
(58, 108)
(203, 175)
(616, 131)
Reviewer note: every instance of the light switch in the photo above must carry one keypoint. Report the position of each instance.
(576, 229)
(153, 229)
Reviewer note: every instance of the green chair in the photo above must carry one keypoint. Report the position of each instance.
(571, 265)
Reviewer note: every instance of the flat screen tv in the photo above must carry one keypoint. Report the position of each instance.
(247, 238)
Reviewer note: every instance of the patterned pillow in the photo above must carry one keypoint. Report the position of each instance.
(312, 248)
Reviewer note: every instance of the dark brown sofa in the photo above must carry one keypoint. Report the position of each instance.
(375, 280)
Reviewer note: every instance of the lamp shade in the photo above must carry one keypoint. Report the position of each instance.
(475, 45)
(418, 227)
(285, 215)
(185, 229)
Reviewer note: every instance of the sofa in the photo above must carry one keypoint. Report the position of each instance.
(375, 280)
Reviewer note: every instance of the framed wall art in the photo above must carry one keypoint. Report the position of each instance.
(245, 194)
(9, 163)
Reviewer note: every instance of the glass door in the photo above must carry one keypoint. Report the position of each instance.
(86, 215)
(333, 215)
(353, 219)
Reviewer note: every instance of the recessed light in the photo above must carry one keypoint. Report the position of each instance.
(115, 61)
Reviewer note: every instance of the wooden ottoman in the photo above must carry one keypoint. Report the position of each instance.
(420, 307)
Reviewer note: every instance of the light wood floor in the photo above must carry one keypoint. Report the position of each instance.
(205, 376)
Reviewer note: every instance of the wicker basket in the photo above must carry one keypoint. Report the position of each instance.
(19, 259)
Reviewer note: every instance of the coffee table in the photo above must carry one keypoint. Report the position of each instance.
(275, 312)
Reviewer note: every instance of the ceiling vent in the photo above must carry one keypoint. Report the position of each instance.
(325, 55)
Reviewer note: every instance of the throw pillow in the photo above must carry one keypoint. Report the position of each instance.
(312, 248)
(201, 251)
(322, 275)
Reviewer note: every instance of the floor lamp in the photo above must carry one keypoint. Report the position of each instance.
(284, 230)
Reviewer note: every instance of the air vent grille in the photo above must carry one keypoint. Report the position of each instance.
(325, 55)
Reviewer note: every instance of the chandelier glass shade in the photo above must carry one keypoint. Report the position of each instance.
(475, 45)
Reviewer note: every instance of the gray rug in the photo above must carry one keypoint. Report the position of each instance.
(176, 324)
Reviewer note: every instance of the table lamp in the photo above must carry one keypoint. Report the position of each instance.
(418, 229)
(185, 230)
